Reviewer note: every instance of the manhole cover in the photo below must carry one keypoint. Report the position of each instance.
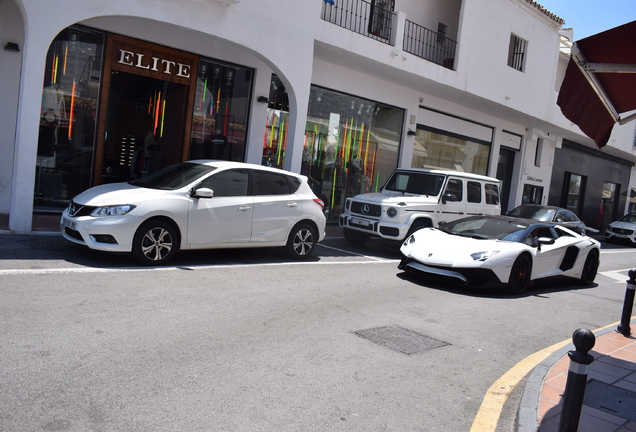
(613, 400)
(400, 339)
(49, 245)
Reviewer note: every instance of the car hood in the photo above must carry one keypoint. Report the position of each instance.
(436, 247)
(117, 193)
(623, 225)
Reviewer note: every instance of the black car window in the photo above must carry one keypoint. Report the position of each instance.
(174, 176)
(269, 183)
(492, 193)
(454, 187)
(569, 216)
(473, 192)
(227, 183)
(294, 183)
(415, 183)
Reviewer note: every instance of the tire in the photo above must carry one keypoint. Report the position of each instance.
(301, 242)
(356, 238)
(155, 243)
(520, 273)
(588, 273)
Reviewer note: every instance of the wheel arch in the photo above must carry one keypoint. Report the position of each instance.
(527, 255)
(168, 220)
(309, 222)
(422, 220)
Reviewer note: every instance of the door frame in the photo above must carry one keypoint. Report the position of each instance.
(150, 60)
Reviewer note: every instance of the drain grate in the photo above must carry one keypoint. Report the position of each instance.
(400, 339)
(612, 400)
(50, 245)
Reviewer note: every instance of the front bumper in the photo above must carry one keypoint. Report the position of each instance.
(470, 277)
(612, 236)
(111, 234)
(385, 230)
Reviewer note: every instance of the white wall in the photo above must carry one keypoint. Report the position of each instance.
(11, 30)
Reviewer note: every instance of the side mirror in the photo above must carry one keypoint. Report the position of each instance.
(448, 197)
(203, 193)
(546, 240)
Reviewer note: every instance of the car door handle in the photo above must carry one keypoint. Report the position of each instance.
(292, 204)
(244, 208)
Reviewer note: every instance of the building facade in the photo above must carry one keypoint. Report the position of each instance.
(342, 91)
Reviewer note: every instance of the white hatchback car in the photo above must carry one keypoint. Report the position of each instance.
(198, 204)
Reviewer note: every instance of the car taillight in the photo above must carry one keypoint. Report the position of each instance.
(320, 203)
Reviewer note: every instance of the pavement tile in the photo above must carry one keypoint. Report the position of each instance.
(631, 377)
(624, 354)
(552, 393)
(602, 415)
(607, 379)
(548, 409)
(549, 426)
(612, 367)
(556, 378)
(626, 385)
(588, 423)
(628, 427)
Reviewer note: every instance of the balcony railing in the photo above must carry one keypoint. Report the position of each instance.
(370, 19)
(429, 45)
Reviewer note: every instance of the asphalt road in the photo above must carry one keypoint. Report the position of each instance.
(245, 340)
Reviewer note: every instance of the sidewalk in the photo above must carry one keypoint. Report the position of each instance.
(42, 222)
(610, 395)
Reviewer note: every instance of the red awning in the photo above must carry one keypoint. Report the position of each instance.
(600, 81)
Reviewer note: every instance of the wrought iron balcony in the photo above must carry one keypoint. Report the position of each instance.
(429, 45)
(373, 20)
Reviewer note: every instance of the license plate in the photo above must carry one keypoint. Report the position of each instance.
(69, 223)
(361, 222)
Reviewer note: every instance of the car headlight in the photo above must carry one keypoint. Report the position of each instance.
(483, 256)
(117, 210)
(347, 204)
(409, 240)
(391, 212)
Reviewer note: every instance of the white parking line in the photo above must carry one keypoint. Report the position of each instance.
(351, 253)
(184, 267)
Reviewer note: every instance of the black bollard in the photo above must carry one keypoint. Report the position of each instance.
(583, 340)
(628, 305)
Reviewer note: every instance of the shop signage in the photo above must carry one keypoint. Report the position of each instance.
(534, 179)
(154, 64)
(578, 159)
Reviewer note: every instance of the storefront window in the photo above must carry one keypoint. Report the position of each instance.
(574, 194)
(434, 149)
(68, 117)
(351, 146)
(632, 200)
(221, 111)
(608, 204)
(276, 125)
(532, 194)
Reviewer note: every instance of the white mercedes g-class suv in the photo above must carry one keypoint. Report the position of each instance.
(415, 198)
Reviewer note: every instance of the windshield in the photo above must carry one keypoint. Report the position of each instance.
(174, 176)
(415, 183)
(487, 228)
(531, 213)
(629, 218)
